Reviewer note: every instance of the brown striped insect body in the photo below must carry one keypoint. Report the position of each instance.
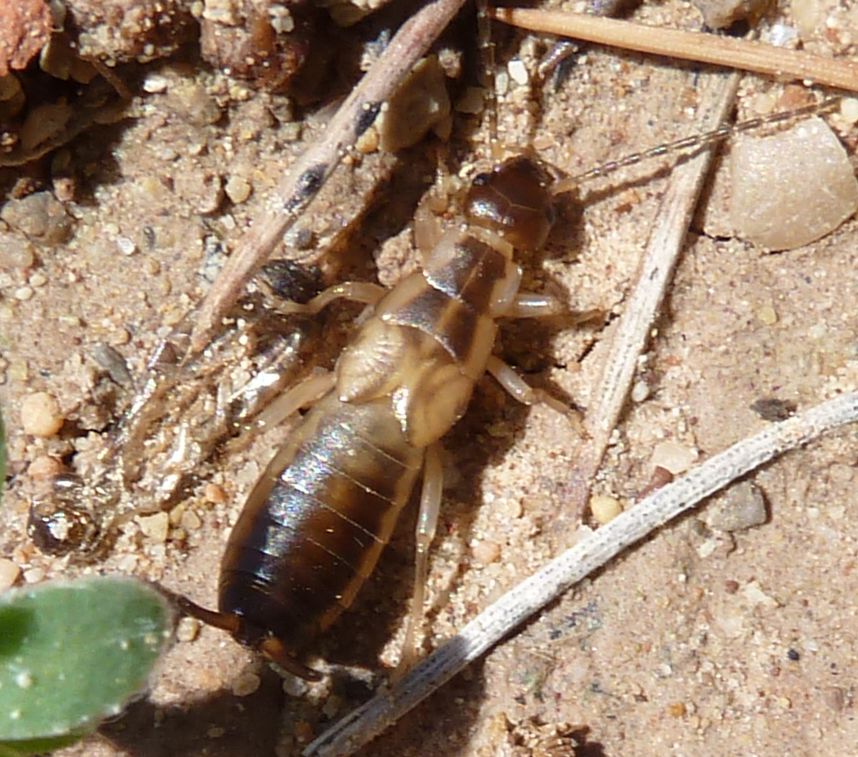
(314, 528)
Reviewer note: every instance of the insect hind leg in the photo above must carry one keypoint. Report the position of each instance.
(427, 523)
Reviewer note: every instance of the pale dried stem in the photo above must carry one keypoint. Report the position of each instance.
(309, 173)
(734, 53)
(558, 576)
(659, 261)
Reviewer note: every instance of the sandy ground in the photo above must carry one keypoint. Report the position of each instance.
(700, 641)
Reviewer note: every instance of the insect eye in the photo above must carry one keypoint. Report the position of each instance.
(480, 180)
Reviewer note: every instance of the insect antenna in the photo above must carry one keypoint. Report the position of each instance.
(693, 142)
(487, 65)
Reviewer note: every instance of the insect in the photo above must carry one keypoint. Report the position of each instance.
(316, 523)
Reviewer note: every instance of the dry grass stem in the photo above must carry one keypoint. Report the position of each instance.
(659, 262)
(705, 48)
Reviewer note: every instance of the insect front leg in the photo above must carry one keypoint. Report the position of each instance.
(356, 291)
(304, 394)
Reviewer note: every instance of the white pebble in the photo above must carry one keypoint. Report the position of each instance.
(126, 245)
(9, 572)
(486, 552)
(37, 279)
(640, 391)
(518, 72)
(674, 457)
(605, 508)
(155, 84)
(187, 629)
(237, 189)
(849, 109)
(34, 575)
(791, 188)
(155, 527)
(40, 415)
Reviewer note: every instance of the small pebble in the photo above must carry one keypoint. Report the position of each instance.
(24, 293)
(237, 189)
(187, 629)
(486, 552)
(754, 595)
(245, 684)
(767, 315)
(15, 252)
(518, 72)
(37, 279)
(38, 216)
(190, 521)
(9, 572)
(155, 84)
(605, 508)
(640, 391)
(672, 456)
(741, 507)
(34, 575)
(849, 109)
(214, 494)
(126, 245)
(791, 188)
(294, 686)
(40, 415)
(176, 514)
(44, 468)
(155, 527)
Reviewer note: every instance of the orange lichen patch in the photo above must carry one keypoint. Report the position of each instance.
(25, 27)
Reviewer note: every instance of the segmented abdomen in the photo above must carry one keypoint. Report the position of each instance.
(296, 561)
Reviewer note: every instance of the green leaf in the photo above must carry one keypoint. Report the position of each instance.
(73, 653)
(38, 746)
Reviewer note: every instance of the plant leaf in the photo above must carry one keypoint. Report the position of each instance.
(73, 653)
